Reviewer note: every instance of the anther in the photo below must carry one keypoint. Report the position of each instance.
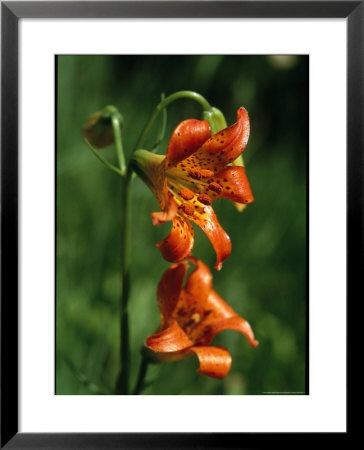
(195, 174)
(205, 199)
(205, 173)
(215, 187)
(187, 209)
(186, 194)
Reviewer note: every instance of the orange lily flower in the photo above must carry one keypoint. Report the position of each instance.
(191, 317)
(195, 171)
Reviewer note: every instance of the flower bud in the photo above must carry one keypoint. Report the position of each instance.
(98, 129)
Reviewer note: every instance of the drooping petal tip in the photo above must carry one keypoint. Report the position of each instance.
(223, 249)
(222, 317)
(236, 323)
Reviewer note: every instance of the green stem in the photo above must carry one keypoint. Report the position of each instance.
(111, 113)
(103, 160)
(171, 98)
(122, 385)
(116, 125)
(162, 128)
(141, 376)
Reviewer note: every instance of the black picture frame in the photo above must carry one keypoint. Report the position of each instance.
(11, 12)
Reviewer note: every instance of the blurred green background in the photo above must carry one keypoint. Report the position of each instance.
(264, 279)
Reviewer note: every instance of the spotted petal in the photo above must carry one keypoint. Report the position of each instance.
(224, 147)
(234, 185)
(179, 243)
(214, 361)
(218, 237)
(186, 138)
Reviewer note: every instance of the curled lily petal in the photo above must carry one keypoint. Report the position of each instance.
(224, 147)
(169, 289)
(171, 339)
(218, 307)
(214, 361)
(219, 316)
(186, 138)
(235, 184)
(233, 323)
(199, 282)
(216, 234)
(167, 356)
(179, 243)
(239, 162)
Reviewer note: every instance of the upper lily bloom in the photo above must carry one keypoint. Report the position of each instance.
(195, 171)
(191, 317)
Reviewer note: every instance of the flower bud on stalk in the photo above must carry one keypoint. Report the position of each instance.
(98, 128)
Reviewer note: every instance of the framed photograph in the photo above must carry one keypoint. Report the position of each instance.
(181, 209)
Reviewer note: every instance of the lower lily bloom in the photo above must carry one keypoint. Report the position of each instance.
(195, 171)
(190, 318)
